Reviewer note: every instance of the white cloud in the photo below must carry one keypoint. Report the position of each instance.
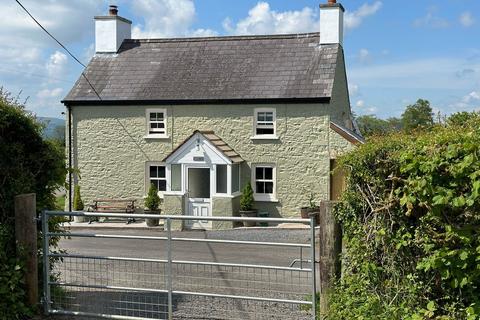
(166, 18)
(471, 97)
(360, 104)
(47, 93)
(56, 65)
(431, 20)
(466, 19)
(262, 19)
(364, 56)
(353, 89)
(355, 18)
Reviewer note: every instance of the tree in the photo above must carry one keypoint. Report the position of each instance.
(462, 118)
(370, 125)
(418, 115)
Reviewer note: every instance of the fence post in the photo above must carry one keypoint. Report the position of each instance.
(46, 264)
(169, 268)
(313, 264)
(26, 238)
(329, 245)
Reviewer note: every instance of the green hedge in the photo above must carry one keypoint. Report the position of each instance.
(28, 164)
(411, 218)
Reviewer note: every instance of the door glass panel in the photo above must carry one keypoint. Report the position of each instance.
(199, 183)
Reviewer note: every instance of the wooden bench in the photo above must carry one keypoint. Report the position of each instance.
(112, 205)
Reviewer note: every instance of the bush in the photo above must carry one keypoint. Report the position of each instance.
(77, 199)
(246, 201)
(152, 201)
(28, 164)
(411, 218)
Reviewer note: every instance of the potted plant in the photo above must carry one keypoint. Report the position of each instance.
(77, 203)
(152, 202)
(246, 205)
(312, 207)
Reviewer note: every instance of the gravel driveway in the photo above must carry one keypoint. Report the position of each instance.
(189, 277)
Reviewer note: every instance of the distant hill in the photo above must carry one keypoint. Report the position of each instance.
(54, 126)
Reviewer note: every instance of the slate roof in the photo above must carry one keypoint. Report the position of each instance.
(213, 68)
(216, 141)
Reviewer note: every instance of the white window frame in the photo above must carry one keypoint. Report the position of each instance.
(165, 120)
(267, 197)
(148, 178)
(256, 124)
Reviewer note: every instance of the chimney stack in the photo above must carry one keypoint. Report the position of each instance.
(331, 23)
(113, 10)
(110, 31)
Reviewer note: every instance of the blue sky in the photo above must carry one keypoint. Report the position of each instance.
(396, 51)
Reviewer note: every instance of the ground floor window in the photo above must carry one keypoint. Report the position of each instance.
(157, 176)
(264, 182)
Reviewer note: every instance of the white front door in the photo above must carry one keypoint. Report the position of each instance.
(198, 197)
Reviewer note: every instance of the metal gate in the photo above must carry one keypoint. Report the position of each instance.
(123, 287)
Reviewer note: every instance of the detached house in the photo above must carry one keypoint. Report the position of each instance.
(200, 117)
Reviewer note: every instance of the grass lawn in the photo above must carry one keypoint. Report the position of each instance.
(60, 203)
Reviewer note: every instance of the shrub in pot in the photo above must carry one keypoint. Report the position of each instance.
(152, 202)
(305, 212)
(246, 205)
(78, 203)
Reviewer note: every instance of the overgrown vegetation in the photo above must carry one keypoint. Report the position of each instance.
(411, 219)
(28, 164)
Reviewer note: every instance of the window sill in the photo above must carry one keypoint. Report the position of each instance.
(264, 198)
(265, 137)
(156, 136)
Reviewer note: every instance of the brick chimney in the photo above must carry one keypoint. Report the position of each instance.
(110, 31)
(331, 23)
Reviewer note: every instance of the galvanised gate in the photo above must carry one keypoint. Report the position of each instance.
(121, 287)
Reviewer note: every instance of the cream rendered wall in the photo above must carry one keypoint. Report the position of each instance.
(110, 148)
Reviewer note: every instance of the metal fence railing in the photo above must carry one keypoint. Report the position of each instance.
(122, 287)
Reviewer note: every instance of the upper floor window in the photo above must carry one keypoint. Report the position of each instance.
(157, 122)
(265, 122)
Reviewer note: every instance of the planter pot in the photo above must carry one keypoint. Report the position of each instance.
(305, 213)
(79, 219)
(249, 214)
(152, 222)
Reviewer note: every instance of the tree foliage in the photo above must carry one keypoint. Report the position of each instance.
(462, 118)
(418, 115)
(77, 199)
(411, 218)
(370, 125)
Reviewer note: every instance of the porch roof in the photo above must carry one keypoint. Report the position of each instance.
(216, 141)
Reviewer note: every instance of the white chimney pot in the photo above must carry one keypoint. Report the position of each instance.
(331, 23)
(110, 31)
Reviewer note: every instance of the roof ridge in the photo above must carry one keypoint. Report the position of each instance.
(227, 38)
